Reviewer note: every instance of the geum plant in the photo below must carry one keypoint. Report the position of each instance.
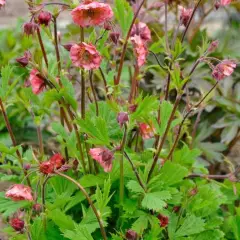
(121, 171)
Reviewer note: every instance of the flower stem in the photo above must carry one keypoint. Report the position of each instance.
(9, 128)
(161, 143)
(81, 188)
(166, 25)
(190, 20)
(117, 79)
(93, 92)
(184, 119)
(42, 46)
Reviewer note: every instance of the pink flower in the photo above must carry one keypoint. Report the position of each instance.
(142, 30)
(224, 69)
(91, 14)
(17, 224)
(146, 130)
(122, 118)
(36, 81)
(213, 46)
(85, 55)
(44, 18)
(103, 156)
(23, 61)
(225, 2)
(140, 50)
(2, 3)
(29, 28)
(46, 167)
(164, 220)
(57, 160)
(131, 235)
(185, 15)
(19, 192)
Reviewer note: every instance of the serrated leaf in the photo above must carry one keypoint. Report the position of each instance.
(191, 225)
(50, 97)
(165, 113)
(155, 200)
(134, 187)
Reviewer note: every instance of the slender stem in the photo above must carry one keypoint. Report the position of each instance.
(159, 63)
(134, 84)
(166, 25)
(226, 176)
(56, 3)
(168, 85)
(104, 81)
(43, 192)
(81, 188)
(93, 92)
(190, 20)
(40, 140)
(196, 126)
(160, 145)
(79, 144)
(90, 162)
(117, 80)
(42, 46)
(175, 34)
(9, 128)
(135, 171)
(56, 45)
(184, 119)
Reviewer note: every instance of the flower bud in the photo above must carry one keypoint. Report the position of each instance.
(23, 61)
(29, 28)
(44, 18)
(213, 46)
(68, 46)
(26, 166)
(17, 224)
(131, 235)
(114, 36)
(107, 26)
(75, 164)
(176, 209)
(185, 15)
(37, 207)
(122, 118)
(132, 108)
(2, 3)
(46, 167)
(193, 191)
(164, 220)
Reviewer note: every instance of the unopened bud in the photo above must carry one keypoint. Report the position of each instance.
(114, 36)
(44, 18)
(23, 61)
(213, 46)
(122, 118)
(29, 28)
(17, 224)
(131, 235)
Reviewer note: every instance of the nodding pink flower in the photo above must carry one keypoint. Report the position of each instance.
(225, 2)
(114, 36)
(85, 56)
(185, 15)
(29, 28)
(37, 207)
(122, 118)
(131, 235)
(140, 50)
(213, 46)
(68, 46)
(103, 156)
(37, 82)
(2, 3)
(164, 220)
(17, 224)
(44, 18)
(91, 14)
(57, 160)
(146, 131)
(224, 69)
(18, 192)
(141, 29)
(23, 61)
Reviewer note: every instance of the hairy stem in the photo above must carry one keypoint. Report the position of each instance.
(117, 80)
(81, 188)
(93, 92)
(42, 47)
(9, 128)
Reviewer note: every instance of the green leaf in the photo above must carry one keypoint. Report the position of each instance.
(140, 224)
(124, 15)
(6, 73)
(50, 97)
(91, 180)
(134, 187)
(37, 229)
(155, 200)
(172, 173)
(63, 221)
(80, 232)
(191, 225)
(165, 113)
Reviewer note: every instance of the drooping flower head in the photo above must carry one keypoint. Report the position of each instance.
(140, 50)
(23, 61)
(36, 81)
(224, 69)
(164, 220)
(85, 56)
(17, 224)
(18, 192)
(29, 28)
(2, 3)
(55, 162)
(185, 15)
(146, 130)
(91, 14)
(141, 29)
(131, 235)
(103, 156)
(122, 118)
(44, 18)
